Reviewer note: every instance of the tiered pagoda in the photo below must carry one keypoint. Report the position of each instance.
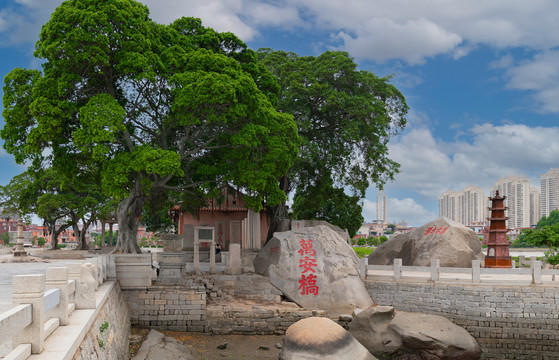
(497, 243)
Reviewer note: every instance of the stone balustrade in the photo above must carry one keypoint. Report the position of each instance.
(476, 274)
(43, 302)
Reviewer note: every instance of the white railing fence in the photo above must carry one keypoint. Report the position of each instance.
(476, 274)
(45, 302)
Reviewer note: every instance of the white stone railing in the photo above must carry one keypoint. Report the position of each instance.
(45, 301)
(5, 251)
(476, 274)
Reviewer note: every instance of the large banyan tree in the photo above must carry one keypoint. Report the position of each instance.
(158, 108)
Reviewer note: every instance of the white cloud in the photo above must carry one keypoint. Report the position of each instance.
(430, 166)
(400, 209)
(369, 210)
(412, 40)
(408, 209)
(539, 75)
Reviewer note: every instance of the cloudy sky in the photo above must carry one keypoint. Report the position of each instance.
(481, 77)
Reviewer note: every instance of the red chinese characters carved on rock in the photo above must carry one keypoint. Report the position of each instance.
(307, 284)
(306, 248)
(433, 230)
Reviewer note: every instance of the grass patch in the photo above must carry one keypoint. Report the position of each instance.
(362, 251)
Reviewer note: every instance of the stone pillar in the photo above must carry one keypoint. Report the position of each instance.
(85, 289)
(30, 289)
(363, 267)
(235, 266)
(536, 272)
(435, 263)
(102, 233)
(187, 237)
(57, 278)
(19, 250)
(397, 268)
(476, 271)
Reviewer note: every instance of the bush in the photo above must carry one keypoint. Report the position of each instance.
(552, 256)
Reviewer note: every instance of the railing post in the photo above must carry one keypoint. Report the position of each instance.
(536, 272)
(85, 288)
(521, 260)
(513, 264)
(363, 267)
(476, 271)
(435, 263)
(30, 289)
(57, 278)
(397, 268)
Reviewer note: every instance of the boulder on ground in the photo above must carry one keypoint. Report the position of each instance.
(321, 338)
(315, 268)
(448, 241)
(158, 346)
(386, 332)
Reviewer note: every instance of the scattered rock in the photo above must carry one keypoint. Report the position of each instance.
(278, 346)
(157, 346)
(386, 332)
(321, 338)
(222, 346)
(345, 317)
(135, 339)
(452, 243)
(315, 268)
(262, 347)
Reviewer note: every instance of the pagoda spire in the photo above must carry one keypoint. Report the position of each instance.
(497, 242)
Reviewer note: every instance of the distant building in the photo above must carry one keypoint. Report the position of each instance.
(521, 200)
(465, 207)
(382, 206)
(549, 199)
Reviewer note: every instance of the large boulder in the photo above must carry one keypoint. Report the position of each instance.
(321, 339)
(158, 346)
(386, 332)
(315, 268)
(448, 241)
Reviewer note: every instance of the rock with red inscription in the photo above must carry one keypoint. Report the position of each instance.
(452, 243)
(315, 268)
(321, 339)
(407, 335)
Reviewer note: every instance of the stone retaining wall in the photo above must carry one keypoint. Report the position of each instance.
(167, 308)
(108, 336)
(509, 322)
(248, 286)
(226, 319)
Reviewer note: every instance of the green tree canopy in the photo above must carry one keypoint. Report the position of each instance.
(161, 108)
(324, 202)
(345, 118)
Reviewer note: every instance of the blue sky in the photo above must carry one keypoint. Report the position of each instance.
(481, 77)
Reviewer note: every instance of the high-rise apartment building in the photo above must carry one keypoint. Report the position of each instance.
(466, 206)
(382, 206)
(549, 199)
(521, 200)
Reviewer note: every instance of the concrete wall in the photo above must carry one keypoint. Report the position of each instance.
(509, 322)
(108, 336)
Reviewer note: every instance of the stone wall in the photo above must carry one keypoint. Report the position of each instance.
(108, 336)
(248, 286)
(168, 308)
(255, 319)
(509, 322)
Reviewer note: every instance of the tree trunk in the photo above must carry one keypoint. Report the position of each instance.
(129, 216)
(278, 212)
